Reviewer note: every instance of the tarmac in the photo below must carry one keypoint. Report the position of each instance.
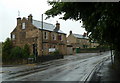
(106, 74)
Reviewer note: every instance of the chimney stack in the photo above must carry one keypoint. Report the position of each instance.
(18, 20)
(30, 18)
(85, 34)
(57, 25)
(70, 32)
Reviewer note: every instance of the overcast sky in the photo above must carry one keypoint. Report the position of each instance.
(9, 12)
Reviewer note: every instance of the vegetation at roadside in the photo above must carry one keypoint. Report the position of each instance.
(17, 55)
(55, 53)
(11, 54)
(100, 20)
(0, 52)
(0, 48)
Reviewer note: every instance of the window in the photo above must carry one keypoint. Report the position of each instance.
(54, 37)
(59, 37)
(45, 35)
(23, 25)
(79, 41)
(13, 36)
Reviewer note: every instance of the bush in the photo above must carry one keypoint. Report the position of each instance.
(16, 53)
(10, 53)
(55, 53)
(26, 51)
(31, 56)
(20, 53)
(6, 50)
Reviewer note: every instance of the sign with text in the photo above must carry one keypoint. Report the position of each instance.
(52, 49)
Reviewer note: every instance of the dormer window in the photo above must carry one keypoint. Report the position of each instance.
(23, 25)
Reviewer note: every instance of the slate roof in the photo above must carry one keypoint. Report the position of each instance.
(80, 36)
(46, 26)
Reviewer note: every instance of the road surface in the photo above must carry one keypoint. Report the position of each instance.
(71, 68)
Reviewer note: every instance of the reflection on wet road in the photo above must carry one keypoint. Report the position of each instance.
(71, 68)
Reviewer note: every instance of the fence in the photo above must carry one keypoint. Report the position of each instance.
(48, 58)
(91, 50)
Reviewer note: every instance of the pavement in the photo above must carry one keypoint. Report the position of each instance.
(106, 74)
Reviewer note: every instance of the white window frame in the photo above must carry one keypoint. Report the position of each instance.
(54, 37)
(13, 36)
(23, 25)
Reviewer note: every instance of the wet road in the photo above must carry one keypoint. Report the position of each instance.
(71, 68)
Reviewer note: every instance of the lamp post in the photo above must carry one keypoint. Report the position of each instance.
(42, 33)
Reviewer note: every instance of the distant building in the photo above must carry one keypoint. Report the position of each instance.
(93, 44)
(78, 42)
(48, 39)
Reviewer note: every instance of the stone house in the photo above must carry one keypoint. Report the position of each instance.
(42, 41)
(93, 44)
(69, 49)
(77, 42)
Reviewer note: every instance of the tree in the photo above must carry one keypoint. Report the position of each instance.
(16, 53)
(101, 20)
(12, 53)
(26, 51)
(6, 49)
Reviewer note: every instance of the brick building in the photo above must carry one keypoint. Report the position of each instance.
(41, 41)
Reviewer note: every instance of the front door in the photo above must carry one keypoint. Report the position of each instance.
(35, 51)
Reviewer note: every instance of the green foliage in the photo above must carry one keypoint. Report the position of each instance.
(16, 53)
(55, 53)
(32, 56)
(26, 51)
(6, 50)
(20, 53)
(0, 49)
(101, 20)
(7, 46)
(10, 53)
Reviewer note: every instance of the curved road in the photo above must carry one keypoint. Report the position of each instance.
(71, 68)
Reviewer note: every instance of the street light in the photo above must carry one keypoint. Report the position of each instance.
(42, 34)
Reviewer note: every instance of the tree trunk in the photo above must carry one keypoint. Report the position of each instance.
(111, 57)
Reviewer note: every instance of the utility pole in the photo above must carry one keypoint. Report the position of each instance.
(42, 34)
